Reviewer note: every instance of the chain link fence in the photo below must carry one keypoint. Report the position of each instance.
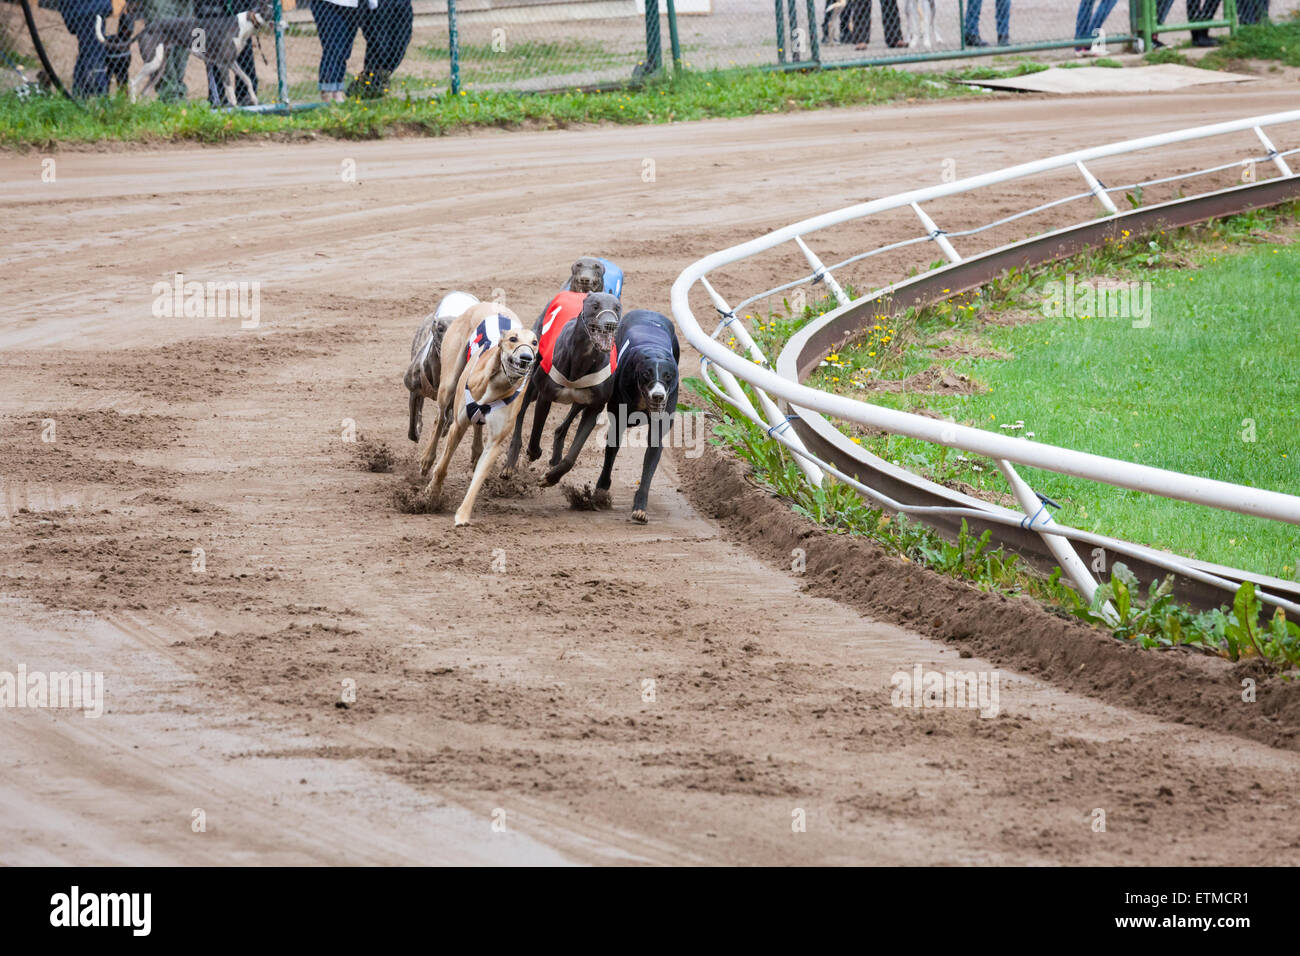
(330, 50)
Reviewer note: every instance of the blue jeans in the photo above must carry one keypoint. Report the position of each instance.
(972, 25)
(387, 30)
(90, 75)
(1085, 24)
(337, 28)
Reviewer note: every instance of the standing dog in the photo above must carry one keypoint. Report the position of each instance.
(424, 372)
(575, 341)
(919, 23)
(217, 40)
(645, 393)
(117, 47)
(500, 353)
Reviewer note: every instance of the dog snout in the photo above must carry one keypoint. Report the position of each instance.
(657, 395)
(525, 356)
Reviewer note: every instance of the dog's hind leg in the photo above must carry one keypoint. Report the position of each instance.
(557, 447)
(590, 414)
(611, 450)
(148, 73)
(434, 488)
(417, 416)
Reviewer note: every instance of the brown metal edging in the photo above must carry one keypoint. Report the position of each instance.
(806, 349)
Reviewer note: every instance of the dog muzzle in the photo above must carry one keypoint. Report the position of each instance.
(521, 360)
(657, 397)
(603, 328)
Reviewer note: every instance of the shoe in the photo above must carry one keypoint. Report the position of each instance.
(898, 44)
(1156, 44)
(1004, 39)
(1204, 41)
(975, 41)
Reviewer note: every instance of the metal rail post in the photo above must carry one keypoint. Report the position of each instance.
(453, 47)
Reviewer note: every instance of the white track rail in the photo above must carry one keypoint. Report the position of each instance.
(732, 369)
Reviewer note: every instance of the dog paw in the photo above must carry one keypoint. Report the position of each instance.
(547, 480)
(639, 516)
(461, 522)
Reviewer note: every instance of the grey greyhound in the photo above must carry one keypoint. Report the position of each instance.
(218, 40)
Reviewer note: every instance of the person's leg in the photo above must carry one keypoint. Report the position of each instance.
(1083, 20)
(1103, 11)
(861, 12)
(1002, 10)
(399, 33)
(889, 20)
(971, 26)
(337, 27)
(1204, 10)
(90, 73)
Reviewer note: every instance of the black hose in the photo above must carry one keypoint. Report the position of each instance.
(40, 50)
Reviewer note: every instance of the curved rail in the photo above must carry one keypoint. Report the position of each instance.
(819, 446)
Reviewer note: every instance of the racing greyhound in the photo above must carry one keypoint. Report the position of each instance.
(424, 372)
(575, 337)
(499, 355)
(218, 40)
(645, 393)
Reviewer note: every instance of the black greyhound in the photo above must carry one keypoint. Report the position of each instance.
(575, 332)
(645, 393)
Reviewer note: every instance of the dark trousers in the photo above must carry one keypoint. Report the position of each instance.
(217, 92)
(90, 74)
(387, 30)
(337, 28)
(1201, 10)
(859, 11)
(1252, 11)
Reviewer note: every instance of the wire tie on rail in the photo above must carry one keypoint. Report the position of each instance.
(779, 426)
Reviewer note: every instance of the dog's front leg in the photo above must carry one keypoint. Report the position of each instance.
(252, 93)
(539, 422)
(613, 442)
(417, 416)
(498, 431)
(476, 449)
(557, 446)
(517, 434)
(658, 427)
(590, 413)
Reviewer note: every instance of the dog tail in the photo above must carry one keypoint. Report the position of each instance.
(99, 28)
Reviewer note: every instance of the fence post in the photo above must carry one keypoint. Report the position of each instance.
(654, 55)
(281, 68)
(794, 30)
(453, 47)
(1148, 24)
(961, 22)
(1230, 12)
(780, 30)
(672, 35)
(813, 41)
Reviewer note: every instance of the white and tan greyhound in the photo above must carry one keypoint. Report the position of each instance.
(487, 357)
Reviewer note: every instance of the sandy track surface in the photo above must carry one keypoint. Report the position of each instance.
(485, 696)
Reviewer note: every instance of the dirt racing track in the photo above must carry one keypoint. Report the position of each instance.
(522, 697)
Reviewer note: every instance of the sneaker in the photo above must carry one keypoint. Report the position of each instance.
(975, 41)
(1004, 39)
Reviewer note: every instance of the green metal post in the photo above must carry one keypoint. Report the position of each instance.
(281, 68)
(654, 54)
(780, 30)
(672, 35)
(453, 45)
(1230, 13)
(813, 40)
(961, 22)
(1148, 24)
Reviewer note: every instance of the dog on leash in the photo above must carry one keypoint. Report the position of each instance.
(919, 23)
(425, 371)
(644, 393)
(499, 355)
(217, 40)
(117, 47)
